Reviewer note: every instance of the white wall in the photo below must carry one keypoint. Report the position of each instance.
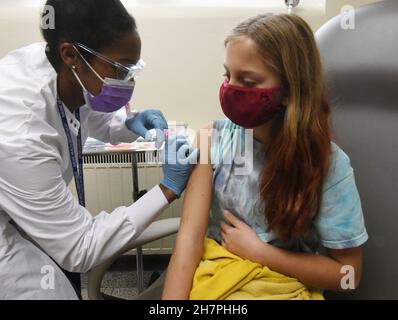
(183, 47)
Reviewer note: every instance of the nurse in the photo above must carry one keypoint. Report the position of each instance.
(53, 96)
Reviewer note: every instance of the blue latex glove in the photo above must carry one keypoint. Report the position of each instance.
(147, 120)
(178, 160)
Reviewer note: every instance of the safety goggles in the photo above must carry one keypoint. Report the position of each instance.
(123, 72)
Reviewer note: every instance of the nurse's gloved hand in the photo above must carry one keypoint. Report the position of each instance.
(147, 120)
(178, 160)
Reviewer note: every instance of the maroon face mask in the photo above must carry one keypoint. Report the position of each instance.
(250, 107)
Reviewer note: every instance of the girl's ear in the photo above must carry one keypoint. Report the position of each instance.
(285, 101)
(286, 96)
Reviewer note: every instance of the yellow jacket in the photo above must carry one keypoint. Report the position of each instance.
(222, 275)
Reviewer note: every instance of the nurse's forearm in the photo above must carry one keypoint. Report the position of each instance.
(146, 209)
(170, 196)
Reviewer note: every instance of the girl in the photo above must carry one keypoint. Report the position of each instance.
(300, 193)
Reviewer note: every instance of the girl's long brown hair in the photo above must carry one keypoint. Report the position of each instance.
(298, 154)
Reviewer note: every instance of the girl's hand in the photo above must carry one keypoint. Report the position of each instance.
(239, 238)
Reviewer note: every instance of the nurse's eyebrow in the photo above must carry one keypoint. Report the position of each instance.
(126, 61)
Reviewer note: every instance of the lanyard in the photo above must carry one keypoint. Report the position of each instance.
(77, 164)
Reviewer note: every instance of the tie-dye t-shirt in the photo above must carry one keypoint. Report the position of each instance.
(339, 224)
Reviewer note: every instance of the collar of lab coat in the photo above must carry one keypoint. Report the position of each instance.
(73, 123)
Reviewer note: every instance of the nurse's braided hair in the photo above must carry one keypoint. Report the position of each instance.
(95, 23)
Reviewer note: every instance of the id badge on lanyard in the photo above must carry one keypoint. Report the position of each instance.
(77, 162)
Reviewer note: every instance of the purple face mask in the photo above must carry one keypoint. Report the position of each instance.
(114, 95)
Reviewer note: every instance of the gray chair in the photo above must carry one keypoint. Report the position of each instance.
(157, 230)
(361, 68)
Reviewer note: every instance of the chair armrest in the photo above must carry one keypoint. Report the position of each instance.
(157, 230)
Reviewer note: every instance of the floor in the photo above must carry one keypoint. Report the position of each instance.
(121, 279)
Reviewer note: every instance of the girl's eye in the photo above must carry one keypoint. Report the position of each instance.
(249, 83)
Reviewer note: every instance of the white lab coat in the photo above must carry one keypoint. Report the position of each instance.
(35, 171)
